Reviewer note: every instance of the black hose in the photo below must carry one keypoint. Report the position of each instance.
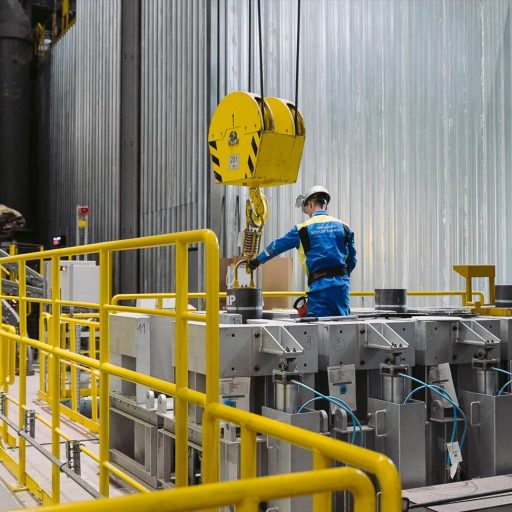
(297, 68)
(250, 46)
(261, 63)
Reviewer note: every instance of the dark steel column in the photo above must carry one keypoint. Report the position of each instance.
(15, 56)
(130, 141)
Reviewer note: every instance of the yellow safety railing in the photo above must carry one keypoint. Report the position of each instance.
(160, 297)
(69, 389)
(245, 494)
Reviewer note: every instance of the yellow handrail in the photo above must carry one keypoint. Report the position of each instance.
(201, 295)
(325, 450)
(244, 494)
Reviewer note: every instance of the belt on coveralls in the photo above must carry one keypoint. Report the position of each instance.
(327, 272)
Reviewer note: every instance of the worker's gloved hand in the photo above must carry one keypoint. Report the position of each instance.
(253, 264)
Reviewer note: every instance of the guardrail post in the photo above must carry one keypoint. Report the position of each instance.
(248, 506)
(22, 370)
(105, 295)
(42, 357)
(55, 376)
(72, 347)
(63, 365)
(249, 457)
(180, 404)
(210, 469)
(321, 502)
(5, 385)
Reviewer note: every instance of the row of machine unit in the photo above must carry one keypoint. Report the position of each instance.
(428, 389)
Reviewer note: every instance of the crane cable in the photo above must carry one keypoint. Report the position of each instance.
(297, 68)
(261, 62)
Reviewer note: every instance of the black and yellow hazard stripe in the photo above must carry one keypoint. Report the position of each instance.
(215, 160)
(253, 155)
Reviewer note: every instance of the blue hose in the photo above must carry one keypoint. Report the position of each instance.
(444, 394)
(502, 389)
(506, 372)
(332, 400)
(336, 401)
(454, 429)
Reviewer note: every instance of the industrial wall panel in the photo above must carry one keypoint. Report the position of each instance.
(174, 126)
(408, 118)
(84, 123)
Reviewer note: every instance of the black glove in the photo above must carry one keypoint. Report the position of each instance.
(253, 264)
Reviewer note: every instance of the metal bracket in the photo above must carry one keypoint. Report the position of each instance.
(470, 332)
(161, 404)
(150, 399)
(30, 422)
(3, 403)
(73, 456)
(381, 336)
(340, 420)
(324, 422)
(441, 375)
(278, 340)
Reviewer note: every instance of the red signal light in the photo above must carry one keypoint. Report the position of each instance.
(83, 210)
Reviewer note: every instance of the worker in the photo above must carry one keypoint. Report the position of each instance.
(327, 251)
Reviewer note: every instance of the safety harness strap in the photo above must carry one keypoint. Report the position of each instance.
(327, 272)
(304, 239)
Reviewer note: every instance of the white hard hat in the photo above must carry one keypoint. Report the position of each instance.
(302, 199)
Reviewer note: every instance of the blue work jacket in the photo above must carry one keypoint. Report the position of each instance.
(331, 245)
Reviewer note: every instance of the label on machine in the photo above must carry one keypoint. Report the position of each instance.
(454, 456)
(234, 162)
(342, 384)
(235, 392)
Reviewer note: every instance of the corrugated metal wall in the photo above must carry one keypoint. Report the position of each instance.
(174, 126)
(84, 123)
(408, 114)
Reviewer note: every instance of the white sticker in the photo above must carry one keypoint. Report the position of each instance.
(234, 161)
(454, 456)
(342, 384)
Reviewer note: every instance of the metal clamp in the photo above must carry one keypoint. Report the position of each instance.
(30, 422)
(73, 456)
(3, 403)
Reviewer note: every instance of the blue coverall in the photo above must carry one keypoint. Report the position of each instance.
(330, 244)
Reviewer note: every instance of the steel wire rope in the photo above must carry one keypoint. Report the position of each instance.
(261, 63)
(297, 68)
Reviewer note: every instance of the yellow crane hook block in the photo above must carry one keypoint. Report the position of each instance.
(253, 150)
